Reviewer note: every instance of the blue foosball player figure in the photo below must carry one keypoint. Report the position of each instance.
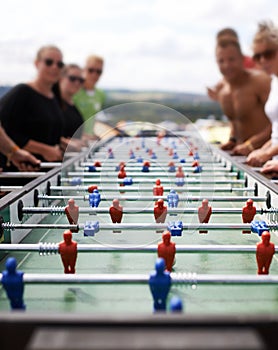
(92, 169)
(160, 284)
(176, 304)
(91, 228)
(94, 199)
(175, 228)
(12, 281)
(173, 199)
(259, 227)
(75, 181)
(172, 167)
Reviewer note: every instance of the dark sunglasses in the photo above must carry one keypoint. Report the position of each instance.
(94, 70)
(49, 62)
(74, 78)
(267, 55)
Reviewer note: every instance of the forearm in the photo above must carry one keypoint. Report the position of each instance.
(7, 146)
(36, 147)
(260, 139)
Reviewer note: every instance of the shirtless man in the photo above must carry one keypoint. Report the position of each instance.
(242, 94)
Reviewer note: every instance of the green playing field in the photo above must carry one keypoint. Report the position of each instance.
(198, 298)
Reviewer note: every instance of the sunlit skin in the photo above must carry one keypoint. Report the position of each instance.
(242, 96)
(69, 88)
(270, 66)
(92, 78)
(47, 76)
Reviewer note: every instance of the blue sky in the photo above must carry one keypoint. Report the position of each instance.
(147, 44)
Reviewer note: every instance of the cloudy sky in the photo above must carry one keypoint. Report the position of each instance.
(147, 44)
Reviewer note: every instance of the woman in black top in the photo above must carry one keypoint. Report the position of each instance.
(30, 113)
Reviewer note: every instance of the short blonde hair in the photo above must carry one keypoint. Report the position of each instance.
(267, 33)
(95, 58)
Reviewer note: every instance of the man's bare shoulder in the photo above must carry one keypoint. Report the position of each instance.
(258, 75)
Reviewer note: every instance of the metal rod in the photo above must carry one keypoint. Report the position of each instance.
(166, 178)
(45, 248)
(135, 226)
(176, 278)
(138, 210)
(188, 198)
(159, 173)
(24, 174)
(103, 210)
(10, 188)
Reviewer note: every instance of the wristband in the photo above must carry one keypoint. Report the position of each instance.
(9, 156)
(249, 145)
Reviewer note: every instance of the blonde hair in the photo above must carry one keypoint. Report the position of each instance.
(47, 47)
(267, 33)
(94, 58)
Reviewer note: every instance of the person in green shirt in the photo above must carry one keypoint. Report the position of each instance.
(89, 100)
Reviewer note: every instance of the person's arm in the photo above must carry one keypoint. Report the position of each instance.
(49, 153)
(262, 83)
(22, 159)
(260, 156)
(254, 142)
(270, 167)
(213, 91)
(231, 143)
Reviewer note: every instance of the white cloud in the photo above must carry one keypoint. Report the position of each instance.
(147, 44)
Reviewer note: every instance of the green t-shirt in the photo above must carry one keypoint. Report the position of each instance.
(89, 103)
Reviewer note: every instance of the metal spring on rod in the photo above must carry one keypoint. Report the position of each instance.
(55, 210)
(272, 215)
(8, 226)
(188, 278)
(48, 248)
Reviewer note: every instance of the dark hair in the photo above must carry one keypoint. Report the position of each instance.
(67, 67)
(227, 32)
(224, 43)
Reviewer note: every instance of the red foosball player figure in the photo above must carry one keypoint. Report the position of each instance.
(160, 211)
(72, 212)
(204, 213)
(180, 172)
(68, 252)
(122, 174)
(264, 253)
(248, 213)
(158, 188)
(116, 211)
(167, 250)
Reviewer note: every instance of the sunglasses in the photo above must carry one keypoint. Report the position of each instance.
(94, 70)
(267, 55)
(74, 78)
(49, 62)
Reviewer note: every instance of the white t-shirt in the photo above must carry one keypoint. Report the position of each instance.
(271, 109)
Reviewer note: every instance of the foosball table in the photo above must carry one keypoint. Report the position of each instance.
(84, 237)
